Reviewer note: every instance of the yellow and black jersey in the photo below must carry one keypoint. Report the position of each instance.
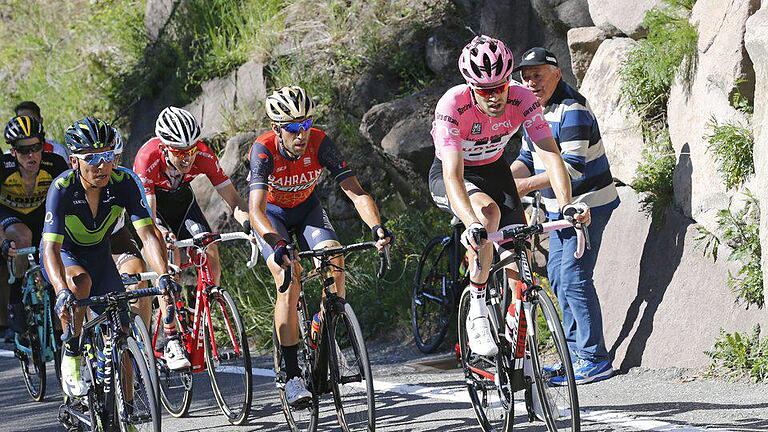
(12, 192)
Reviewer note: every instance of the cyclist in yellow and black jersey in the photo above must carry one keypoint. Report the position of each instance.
(26, 173)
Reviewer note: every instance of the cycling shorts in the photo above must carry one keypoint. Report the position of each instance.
(124, 246)
(494, 179)
(33, 220)
(176, 207)
(104, 276)
(308, 221)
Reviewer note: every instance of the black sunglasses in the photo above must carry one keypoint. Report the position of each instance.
(27, 149)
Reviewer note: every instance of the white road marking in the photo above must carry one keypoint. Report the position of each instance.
(609, 417)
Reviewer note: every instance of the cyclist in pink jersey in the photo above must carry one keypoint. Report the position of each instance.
(469, 178)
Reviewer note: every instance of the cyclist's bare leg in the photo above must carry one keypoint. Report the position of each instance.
(286, 317)
(487, 211)
(127, 263)
(338, 275)
(22, 237)
(215, 263)
(79, 282)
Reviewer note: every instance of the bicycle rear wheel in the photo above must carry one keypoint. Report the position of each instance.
(432, 297)
(175, 386)
(558, 406)
(141, 335)
(351, 378)
(137, 409)
(487, 380)
(302, 418)
(33, 368)
(228, 358)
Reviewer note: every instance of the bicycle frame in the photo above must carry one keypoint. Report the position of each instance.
(37, 300)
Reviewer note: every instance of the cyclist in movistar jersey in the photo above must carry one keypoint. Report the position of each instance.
(25, 175)
(82, 207)
(469, 178)
(286, 164)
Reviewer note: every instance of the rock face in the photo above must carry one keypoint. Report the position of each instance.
(583, 43)
(699, 189)
(224, 99)
(563, 14)
(156, 16)
(757, 45)
(625, 15)
(656, 289)
(619, 127)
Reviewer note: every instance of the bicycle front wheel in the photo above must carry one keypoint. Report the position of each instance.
(557, 405)
(432, 297)
(137, 408)
(33, 369)
(228, 358)
(140, 333)
(350, 370)
(486, 378)
(175, 385)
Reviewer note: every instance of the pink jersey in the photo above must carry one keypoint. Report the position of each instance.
(460, 125)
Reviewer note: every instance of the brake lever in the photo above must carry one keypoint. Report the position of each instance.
(585, 231)
(385, 263)
(287, 273)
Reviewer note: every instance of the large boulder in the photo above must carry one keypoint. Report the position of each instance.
(619, 126)
(223, 99)
(625, 15)
(157, 13)
(699, 189)
(562, 15)
(756, 39)
(583, 43)
(663, 303)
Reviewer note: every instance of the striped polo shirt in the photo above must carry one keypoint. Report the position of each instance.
(576, 132)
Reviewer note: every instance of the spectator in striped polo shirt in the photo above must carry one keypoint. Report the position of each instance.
(576, 132)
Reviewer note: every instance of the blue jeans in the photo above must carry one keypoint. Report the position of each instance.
(571, 281)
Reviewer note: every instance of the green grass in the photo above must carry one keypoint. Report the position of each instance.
(736, 355)
(732, 145)
(654, 175)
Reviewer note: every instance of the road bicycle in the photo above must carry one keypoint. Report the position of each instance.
(120, 391)
(338, 363)
(539, 351)
(38, 344)
(212, 334)
(441, 275)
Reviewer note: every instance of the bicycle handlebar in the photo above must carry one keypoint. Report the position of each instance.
(205, 239)
(134, 278)
(12, 262)
(521, 232)
(384, 259)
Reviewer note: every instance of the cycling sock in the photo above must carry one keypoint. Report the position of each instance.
(477, 300)
(14, 294)
(72, 347)
(170, 332)
(291, 360)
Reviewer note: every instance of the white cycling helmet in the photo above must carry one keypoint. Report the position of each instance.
(119, 142)
(288, 104)
(177, 127)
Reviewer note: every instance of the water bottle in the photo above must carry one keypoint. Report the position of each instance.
(314, 334)
(100, 360)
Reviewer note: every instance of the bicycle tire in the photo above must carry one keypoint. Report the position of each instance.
(236, 408)
(175, 386)
(303, 418)
(547, 344)
(148, 419)
(35, 379)
(430, 325)
(351, 371)
(141, 335)
(492, 406)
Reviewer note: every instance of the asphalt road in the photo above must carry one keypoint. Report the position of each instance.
(414, 396)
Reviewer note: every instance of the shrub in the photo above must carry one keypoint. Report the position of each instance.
(654, 175)
(736, 354)
(731, 144)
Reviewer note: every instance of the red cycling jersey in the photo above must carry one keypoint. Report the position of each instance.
(290, 182)
(155, 172)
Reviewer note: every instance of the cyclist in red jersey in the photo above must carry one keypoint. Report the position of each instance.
(286, 164)
(473, 123)
(166, 165)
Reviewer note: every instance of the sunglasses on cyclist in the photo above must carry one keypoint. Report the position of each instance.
(97, 158)
(295, 127)
(488, 92)
(190, 151)
(27, 149)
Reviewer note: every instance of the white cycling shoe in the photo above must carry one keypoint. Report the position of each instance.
(296, 392)
(479, 335)
(72, 381)
(174, 355)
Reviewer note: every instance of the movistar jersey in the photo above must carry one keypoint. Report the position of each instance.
(68, 217)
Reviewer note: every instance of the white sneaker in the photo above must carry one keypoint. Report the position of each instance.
(479, 334)
(296, 392)
(71, 379)
(174, 355)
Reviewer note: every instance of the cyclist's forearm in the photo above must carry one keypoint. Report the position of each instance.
(54, 266)
(367, 209)
(459, 199)
(154, 248)
(533, 183)
(235, 202)
(559, 179)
